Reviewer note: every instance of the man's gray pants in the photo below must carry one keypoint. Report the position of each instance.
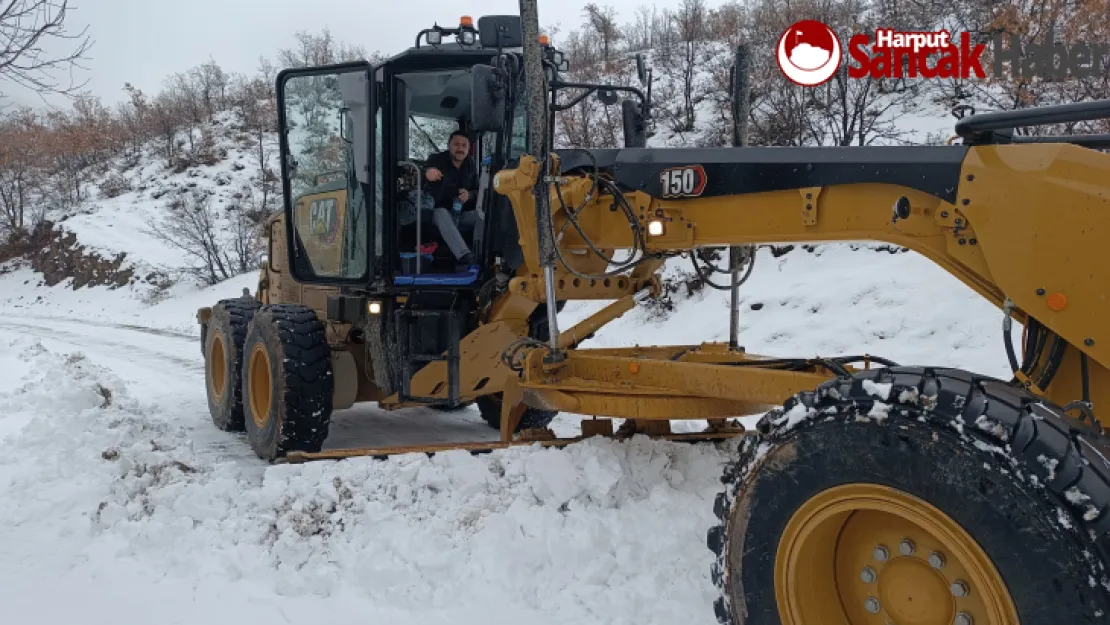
(447, 222)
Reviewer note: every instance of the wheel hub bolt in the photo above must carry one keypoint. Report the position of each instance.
(959, 589)
(906, 547)
(936, 560)
(867, 575)
(963, 618)
(881, 553)
(872, 605)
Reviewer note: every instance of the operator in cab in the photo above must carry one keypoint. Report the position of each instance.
(452, 178)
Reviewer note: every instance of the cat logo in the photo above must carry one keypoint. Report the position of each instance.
(322, 219)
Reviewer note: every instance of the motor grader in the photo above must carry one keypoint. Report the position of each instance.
(869, 493)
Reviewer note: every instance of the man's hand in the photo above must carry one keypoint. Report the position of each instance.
(433, 174)
(464, 195)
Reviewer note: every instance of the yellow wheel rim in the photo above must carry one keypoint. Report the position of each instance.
(217, 365)
(863, 554)
(259, 385)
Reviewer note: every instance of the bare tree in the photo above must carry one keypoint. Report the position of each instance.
(167, 120)
(602, 22)
(25, 26)
(591, 123)
(21, 152)
(682, 52)
(211, 84)
(252, 99)
(245, 231)
(639, 34)
(321, 49)
(192, 226)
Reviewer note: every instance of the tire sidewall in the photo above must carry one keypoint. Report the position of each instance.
(1014, 522)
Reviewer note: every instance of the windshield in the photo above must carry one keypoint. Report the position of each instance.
(428, 135)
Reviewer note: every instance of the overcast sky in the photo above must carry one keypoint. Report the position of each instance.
(141, 41)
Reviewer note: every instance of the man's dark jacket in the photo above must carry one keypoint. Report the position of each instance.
(446, 189)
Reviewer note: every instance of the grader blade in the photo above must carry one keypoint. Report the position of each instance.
(480, 447)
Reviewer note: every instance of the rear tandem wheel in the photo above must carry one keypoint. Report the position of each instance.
(914, 496)
(222, 345)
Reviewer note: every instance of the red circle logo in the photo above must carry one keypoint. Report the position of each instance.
(808, 53)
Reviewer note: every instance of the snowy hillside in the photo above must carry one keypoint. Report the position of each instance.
(131, 208)
(110, 223)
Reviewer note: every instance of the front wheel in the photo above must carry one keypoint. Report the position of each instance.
(287, 381)
(533, 418)
(911, 495)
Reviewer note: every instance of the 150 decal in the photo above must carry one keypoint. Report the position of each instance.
(687, 181)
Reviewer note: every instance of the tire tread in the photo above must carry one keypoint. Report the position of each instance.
(1057, 455)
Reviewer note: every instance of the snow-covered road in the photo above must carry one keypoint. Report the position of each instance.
(123, 504)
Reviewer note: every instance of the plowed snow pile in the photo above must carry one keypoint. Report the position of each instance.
(111, 492)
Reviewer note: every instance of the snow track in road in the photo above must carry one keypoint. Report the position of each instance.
(124, 495)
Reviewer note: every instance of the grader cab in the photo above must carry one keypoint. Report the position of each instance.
(871, 492)
(400, 317)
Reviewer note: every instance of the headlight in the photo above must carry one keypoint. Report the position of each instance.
(374, 308)
(655, 228)
(435, 37)
(467, 37)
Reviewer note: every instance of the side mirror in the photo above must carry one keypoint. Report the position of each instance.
(635, 126)
(488, 91)
(641, 68)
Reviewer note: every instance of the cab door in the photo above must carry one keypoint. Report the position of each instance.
(326, 128)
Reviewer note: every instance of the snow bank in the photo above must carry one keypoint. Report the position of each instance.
(602, 532)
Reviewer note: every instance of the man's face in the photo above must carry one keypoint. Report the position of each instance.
(460, 147)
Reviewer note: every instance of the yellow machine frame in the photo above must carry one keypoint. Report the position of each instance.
(1005, 237)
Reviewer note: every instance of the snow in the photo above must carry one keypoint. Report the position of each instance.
(1049, 464)
(791, 418)
(880, 390)
(993, 427)
(138, 492)
(879, 411)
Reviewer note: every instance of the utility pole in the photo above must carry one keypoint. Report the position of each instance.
(741, 107)
(536, 87)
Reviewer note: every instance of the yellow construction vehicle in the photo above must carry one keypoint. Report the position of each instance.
(870, 493)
